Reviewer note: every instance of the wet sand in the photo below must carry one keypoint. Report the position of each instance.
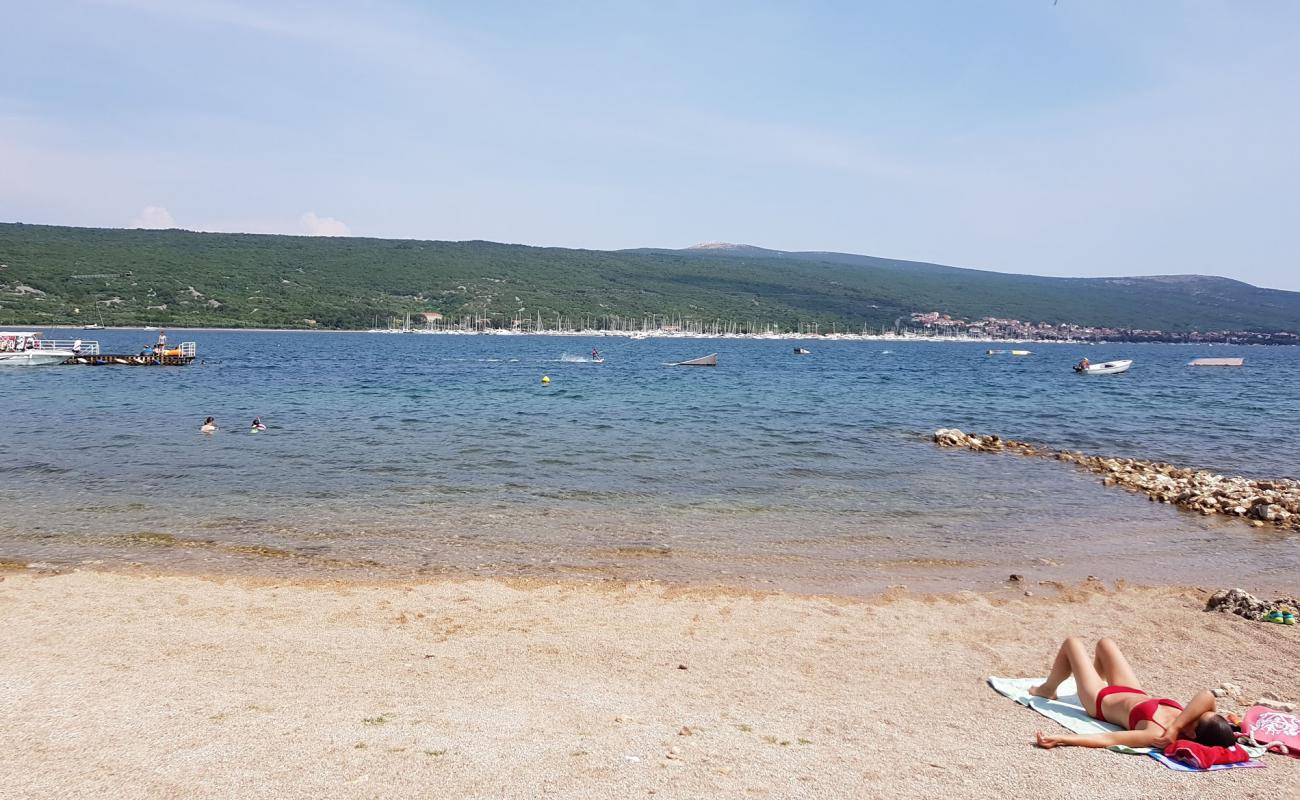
(116, 685)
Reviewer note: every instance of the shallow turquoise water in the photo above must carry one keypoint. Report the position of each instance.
(396, 454)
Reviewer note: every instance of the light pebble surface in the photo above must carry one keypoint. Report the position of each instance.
(115, 685)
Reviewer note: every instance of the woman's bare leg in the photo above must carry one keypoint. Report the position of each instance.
(1113, 667)
(1072, 659)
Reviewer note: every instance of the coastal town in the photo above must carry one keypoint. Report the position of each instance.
(920, 325)
(937, 323)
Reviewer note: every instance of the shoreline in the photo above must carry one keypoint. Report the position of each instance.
(598, 334)
(1015, 587)
(216, 687)
(637, 335)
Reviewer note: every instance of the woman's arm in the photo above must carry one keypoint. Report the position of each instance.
(1143, 738)
(1202, 703)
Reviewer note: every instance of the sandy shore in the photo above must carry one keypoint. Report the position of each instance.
(123, 686)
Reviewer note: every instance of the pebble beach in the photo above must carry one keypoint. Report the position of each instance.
(139, 686)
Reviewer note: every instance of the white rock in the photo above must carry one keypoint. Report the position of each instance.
(1273, 702)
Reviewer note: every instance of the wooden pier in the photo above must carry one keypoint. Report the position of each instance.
(131, 360)
(88, 354)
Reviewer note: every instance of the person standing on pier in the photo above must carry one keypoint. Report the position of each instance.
(162, 341)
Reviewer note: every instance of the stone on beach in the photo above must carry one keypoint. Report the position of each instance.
(1259, 502)
(1273, 702)
(1244, 604)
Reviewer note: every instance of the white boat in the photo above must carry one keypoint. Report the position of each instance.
(1108, 368)
(802, 351)
(27, 349)
(1022, 352)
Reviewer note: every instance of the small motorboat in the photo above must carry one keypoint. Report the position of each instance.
(1022, 352)
(711, 360)
(1107, 368)
(28, 349)
(802, 351)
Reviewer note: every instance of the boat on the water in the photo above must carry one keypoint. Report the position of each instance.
(994, 352)
(711, 360)
(1022, 352)
(1107, 368)
(27, 349)
(802, 351)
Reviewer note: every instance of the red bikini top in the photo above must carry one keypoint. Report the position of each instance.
(1146, 711)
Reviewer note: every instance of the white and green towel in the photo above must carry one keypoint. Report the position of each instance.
(1065, 709)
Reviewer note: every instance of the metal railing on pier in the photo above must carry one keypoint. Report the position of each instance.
(80, 346)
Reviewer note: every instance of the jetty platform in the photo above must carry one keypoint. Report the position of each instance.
(178, 356)
(88, 353)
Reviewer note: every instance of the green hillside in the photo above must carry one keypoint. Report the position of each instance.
(56, 275)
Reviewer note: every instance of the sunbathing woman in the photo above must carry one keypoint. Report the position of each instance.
(1109, 691)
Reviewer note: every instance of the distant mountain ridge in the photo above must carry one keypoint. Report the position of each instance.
(1248, 307)
(61, 275)
(832, 256)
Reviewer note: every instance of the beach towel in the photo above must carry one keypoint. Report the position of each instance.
(1276, 730)
(1179, 766)
(1067, 711)
(1202, 756)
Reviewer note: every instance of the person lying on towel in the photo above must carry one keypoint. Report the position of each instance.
(1109, 690)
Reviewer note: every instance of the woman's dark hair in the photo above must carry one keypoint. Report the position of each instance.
(1215, 732)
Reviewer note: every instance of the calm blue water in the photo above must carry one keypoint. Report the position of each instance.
(399, 454)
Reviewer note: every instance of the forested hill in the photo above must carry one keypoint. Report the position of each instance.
(57, 275)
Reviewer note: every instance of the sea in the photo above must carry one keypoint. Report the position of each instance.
(408, 456)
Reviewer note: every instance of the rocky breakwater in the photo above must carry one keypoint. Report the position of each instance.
(1260, 502)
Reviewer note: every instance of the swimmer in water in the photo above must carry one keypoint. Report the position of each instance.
(257, 425)
(209, 425)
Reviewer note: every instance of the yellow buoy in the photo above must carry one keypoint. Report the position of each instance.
(546, 379)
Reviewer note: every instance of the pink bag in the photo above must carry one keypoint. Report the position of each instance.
(1275, 730)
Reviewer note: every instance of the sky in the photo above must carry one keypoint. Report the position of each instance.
(1082, 137)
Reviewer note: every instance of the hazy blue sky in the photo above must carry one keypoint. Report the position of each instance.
(1087, 138)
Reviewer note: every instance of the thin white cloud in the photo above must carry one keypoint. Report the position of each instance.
(154, 218)
(386, 33)
(313, 225)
